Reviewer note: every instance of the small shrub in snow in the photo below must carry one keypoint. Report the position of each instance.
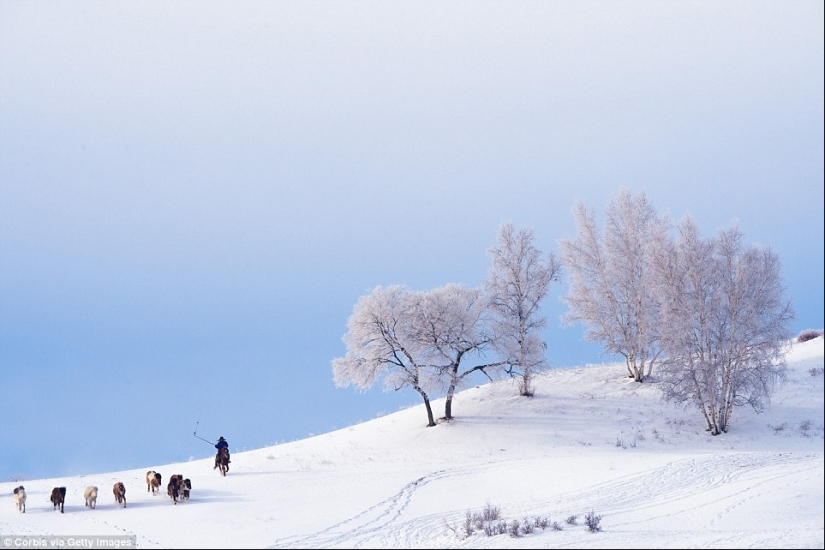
(527, 527)
(468, 525)
(489, 522)
(809, 334)
(454, 530)
(816, 371)
(515, 529)
(556, 526)
(676, 425)
(483, 521)
(571, 520)
(501, 527)
(18, 477)
(804, 426)
(592, 521)
(490, 513)
(621, 443)
(779, 428)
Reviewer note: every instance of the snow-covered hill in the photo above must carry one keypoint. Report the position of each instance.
(590, 441)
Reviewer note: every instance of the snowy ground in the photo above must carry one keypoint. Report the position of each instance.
(589, 441)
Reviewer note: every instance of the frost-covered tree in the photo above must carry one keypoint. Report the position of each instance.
(518, 281)
(453, 330)
(724, 324)
(424, 340)
(382, 340)
(611, 287)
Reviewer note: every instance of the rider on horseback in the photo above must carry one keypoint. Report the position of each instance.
(221, 445)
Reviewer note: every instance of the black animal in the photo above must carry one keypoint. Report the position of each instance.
(58, 498)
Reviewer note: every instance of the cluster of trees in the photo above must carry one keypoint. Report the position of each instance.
(434, 340)
(709, 312)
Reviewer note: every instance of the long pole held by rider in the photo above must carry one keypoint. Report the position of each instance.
(199, 437)
(221, 445)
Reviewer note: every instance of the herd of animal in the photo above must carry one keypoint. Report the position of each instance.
(178, 488)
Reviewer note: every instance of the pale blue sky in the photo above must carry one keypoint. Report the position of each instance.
(193, 195)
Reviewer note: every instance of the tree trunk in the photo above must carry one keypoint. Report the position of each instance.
(630, 373)
(430, 418)
(448, 404)
(707, 418)
(526, 387)
(714, 419)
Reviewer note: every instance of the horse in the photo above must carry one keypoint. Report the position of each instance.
(20, 498)
(153, 482)
(119, 491)
(58, 498)
(222, 460)
(185, 488)
(90, 494)
(173, 488)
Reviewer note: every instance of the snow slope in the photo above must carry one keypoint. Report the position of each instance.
(590, 440)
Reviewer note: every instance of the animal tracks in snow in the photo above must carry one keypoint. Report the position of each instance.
(721, 483)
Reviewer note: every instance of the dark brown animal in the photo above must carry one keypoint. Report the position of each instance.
(222, 460)
(58, 498)
(119, 491)
(173, 489)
